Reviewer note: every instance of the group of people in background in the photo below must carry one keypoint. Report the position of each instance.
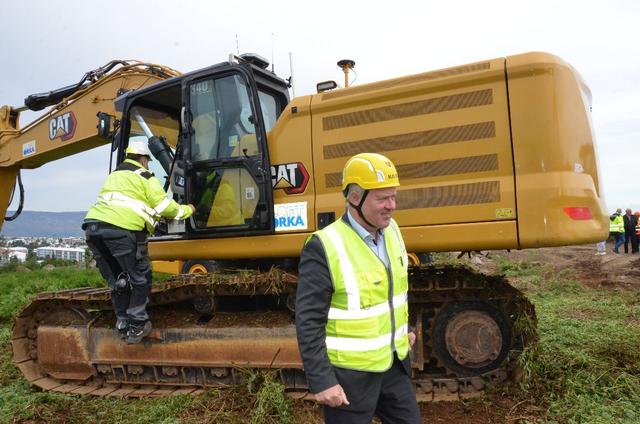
(624, 230)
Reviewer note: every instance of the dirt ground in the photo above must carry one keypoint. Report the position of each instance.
(614, 271)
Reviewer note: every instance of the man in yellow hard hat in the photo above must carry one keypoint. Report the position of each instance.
(351, 304)
(129, 205)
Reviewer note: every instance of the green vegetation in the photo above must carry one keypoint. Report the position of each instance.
(18, 288)
(260, 400)
(586, 366)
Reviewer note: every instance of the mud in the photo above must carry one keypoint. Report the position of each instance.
(580, 263)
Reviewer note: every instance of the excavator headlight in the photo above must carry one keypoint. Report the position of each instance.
(326, 86)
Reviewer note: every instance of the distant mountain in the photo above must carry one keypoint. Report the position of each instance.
(44, 224)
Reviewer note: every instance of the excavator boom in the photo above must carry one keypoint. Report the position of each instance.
(69, 126)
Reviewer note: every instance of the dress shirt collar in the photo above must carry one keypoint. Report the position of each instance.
(362, 232)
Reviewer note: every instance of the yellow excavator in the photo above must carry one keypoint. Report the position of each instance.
(498, 154)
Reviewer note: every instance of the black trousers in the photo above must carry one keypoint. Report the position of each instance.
(117, 252)
(388, 395)
(631, 236)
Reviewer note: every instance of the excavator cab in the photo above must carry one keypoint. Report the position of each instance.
(210, 130)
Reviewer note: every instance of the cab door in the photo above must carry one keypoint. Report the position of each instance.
(226, 159)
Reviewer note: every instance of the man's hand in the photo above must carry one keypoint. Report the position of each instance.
(193, 208)
(333, 397)
(412, 339)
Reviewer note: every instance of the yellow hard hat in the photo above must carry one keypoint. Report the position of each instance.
(370, 171)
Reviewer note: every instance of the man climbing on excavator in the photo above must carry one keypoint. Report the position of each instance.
(116, 227)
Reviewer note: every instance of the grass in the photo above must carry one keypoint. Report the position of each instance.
(586, 365)
(261, 400)
(18, 288)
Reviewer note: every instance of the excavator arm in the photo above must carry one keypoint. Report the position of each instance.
(69, 126)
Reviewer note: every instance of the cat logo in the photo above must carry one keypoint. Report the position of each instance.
(62, 127)
(291, 177)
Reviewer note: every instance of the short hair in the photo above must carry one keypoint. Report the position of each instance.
(353, 188)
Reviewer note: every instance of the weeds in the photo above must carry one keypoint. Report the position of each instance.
(270, 401)
(586, 365)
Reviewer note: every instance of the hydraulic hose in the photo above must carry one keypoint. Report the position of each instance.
(21, 204)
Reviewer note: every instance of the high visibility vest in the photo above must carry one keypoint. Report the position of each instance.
(133, 199)
(368, 316)
(616, 225)
(219, 198)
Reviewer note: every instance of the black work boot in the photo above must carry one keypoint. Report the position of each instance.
(122, 325)
(137, 332)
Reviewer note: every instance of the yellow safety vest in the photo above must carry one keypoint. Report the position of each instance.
(359, 333)
(133, 199)
(616, 225)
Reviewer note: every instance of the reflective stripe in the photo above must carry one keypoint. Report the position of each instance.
(396, 231)
(362, 345)
(140, 208)
(162, 206)
(379, 309)
(348, 274)
(180, 213)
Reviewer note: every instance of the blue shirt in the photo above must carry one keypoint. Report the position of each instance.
(377, 246)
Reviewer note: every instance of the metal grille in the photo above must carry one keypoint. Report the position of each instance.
(453, 195)
(398, 82)
(412, 140)
(405, 110)
(449, 167)
(434, 168)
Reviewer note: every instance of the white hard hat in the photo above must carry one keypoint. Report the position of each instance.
(139, 147)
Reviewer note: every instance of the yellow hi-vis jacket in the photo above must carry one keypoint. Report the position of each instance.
(133, 199)
(616, 225)
(368, 315)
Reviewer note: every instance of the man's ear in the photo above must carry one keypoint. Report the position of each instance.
(353, 197)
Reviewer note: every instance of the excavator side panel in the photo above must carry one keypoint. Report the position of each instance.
(448, 134)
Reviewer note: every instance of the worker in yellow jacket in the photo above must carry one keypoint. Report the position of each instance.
(129, 205)
(616, 229)
(352, 305)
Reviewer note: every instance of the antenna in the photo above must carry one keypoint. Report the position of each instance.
(272, 60)
(237, 46)
(291, 80)
(346, 65)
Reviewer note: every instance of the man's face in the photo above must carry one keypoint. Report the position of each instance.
(379, 205)
(628, 211)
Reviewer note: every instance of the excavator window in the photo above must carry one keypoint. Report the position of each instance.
(222, 116)
(145, 123)
(270, 109)
(227, 197)
(223, 149)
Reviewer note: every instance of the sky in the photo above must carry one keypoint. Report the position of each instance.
(47, 44)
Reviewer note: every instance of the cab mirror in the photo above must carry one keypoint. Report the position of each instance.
(104, 125)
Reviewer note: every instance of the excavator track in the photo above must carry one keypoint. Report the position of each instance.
(469, 329)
